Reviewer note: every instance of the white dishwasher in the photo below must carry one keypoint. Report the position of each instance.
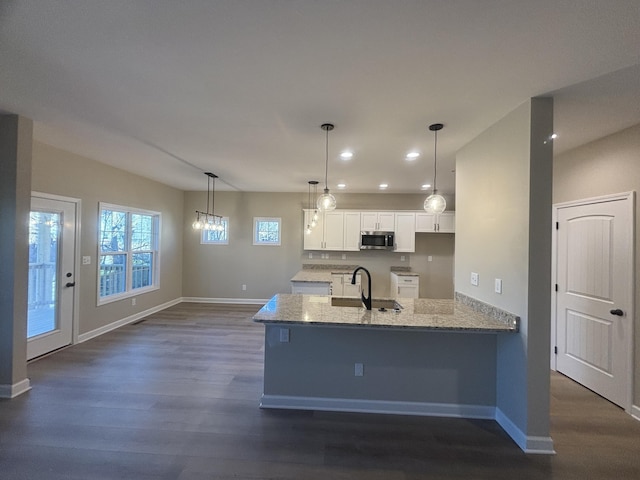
(405, 285)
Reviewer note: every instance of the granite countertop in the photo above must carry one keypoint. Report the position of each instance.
(321, 273)
(417, 313)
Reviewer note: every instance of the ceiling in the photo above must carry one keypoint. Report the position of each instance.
(169, 89)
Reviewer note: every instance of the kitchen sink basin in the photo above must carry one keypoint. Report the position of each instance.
(376, 303)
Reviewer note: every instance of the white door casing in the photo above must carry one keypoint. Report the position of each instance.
(62, 333)
(593, 306)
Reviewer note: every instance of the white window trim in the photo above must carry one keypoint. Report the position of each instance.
(226, 242)
(267, 219)
(129, 292)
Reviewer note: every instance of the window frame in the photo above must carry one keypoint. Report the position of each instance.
(129, 253)
(257, 220)
(225, 221)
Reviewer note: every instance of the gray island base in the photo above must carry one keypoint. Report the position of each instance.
(434, 357)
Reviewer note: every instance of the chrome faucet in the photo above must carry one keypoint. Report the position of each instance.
(365, 300)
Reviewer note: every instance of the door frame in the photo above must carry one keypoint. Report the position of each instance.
(75, 325)
(629, 198)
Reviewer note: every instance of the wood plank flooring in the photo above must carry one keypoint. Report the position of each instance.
(176, 397)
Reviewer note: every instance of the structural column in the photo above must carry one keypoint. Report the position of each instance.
(16, 141)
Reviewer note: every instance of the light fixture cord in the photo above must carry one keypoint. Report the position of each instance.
(435, 162)
(213, 196)
(208, 192)
(326, 161)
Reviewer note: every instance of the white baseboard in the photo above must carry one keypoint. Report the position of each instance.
(83, 337)
(635, 412)
(528, 443)
(377, 406)
(233, 301)
(12, 391)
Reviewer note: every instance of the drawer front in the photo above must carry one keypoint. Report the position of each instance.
(408, 280)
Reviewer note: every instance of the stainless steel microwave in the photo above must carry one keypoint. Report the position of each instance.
(377, 241)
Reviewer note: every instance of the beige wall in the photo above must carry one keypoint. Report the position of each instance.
(219, 271)
(503, 218)
(62, 173)
(606, 166)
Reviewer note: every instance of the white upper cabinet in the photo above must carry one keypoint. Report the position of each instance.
(405, 232)
(377, 221)
(351, 231)
(443, 223)
(338, 230)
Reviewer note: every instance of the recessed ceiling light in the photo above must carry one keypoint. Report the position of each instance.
(412, 155)
(383, 186)
(425, 186)
(342, 185)
(346, 155)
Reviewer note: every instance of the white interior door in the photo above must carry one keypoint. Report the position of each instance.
(594, 277)
(52, 227)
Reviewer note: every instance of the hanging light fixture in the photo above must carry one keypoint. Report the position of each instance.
(311, 222)
(206, 220)
(435, 203)
(315, 217)
(326, 202)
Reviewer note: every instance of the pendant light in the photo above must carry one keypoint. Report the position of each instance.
(312, 222)
(206, 220)
(435, 204)
(326, 202)
(315, 217)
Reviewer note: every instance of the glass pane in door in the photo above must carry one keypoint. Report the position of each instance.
(44, 233)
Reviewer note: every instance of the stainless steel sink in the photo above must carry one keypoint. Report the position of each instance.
(376, 303)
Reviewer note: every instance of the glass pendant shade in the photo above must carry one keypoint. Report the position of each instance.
(435, 204)
(326, 201)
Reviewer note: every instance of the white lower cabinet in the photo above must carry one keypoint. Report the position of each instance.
(341, 285)
(311, 288)
(405, 286)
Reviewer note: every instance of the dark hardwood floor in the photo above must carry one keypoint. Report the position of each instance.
(176, 397)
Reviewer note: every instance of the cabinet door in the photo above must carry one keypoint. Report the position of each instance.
(425, 222)
(349, 290)
(446, 222)
(336, 284)
(334, 230)
(405, 234)
(369, 221)
(352, 231)
(386, 221)
(313, 240)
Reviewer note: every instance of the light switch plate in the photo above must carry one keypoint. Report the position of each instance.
(498, 285)
(284, 335)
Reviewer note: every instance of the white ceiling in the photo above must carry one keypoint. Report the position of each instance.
(169, 89)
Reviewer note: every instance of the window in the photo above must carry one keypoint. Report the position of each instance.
(128, 253)
(217, 237)
(266, 231)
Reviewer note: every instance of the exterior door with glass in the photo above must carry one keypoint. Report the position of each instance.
(52, 227)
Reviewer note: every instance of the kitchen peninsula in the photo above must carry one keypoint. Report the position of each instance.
(432, 357)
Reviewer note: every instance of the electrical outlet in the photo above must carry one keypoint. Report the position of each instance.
(284, 335)
(310, 254)
(498, 285)
(86, 260)
(133, 301)
(475, 279)
(244, 287)
(430, 258)
(358, 370)
(402, 258)
(344, 256)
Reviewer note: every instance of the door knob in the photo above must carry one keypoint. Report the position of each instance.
(617, 312)
(70, 284)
